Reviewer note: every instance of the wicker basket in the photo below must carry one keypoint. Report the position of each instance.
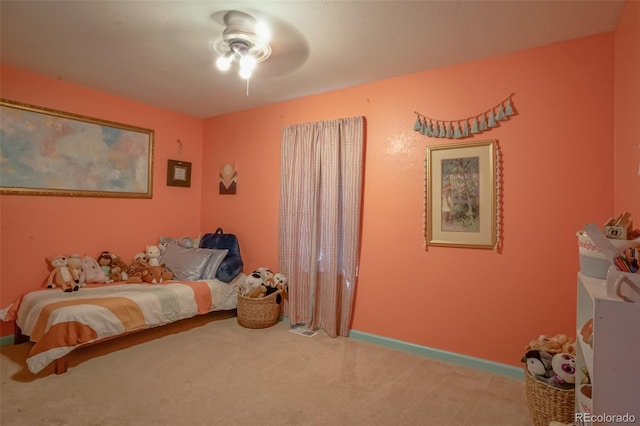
(260, 312)
(548, 403)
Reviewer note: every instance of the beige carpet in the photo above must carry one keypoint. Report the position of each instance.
(211, 371)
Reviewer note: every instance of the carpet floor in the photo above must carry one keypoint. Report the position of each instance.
(211, 371)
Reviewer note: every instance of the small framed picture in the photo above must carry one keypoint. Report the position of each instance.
(178, 173)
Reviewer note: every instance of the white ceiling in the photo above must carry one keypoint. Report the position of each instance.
(159, 52)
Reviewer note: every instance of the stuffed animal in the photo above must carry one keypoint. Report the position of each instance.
(189, 242)
(250, 283)
(539, 364)
(267, 276)
(118, 269)
(282, 282)
(61, 275)
(153, 255)
(556, 344)
(136, 269)
(93, 273)
(564, 370)
(258, 292)
(105, 262)
(156, 274)
(74, 262)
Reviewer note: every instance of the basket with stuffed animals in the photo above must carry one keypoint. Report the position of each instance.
(549, 373)
(260, 298)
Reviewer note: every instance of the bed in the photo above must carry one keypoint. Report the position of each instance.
(58, 322)
(206, 279)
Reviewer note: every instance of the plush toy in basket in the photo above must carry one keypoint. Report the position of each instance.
(549, 372)
(260, 298)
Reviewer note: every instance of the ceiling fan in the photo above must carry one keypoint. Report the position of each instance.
(248, 39)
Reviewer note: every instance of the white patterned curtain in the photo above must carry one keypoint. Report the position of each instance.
(319, 235)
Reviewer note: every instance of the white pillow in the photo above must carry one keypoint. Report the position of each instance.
(186, 264)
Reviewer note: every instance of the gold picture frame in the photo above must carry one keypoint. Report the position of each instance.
(461, 195)
(51, 152)
(178, 173)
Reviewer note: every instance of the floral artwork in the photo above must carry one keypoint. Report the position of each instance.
(460, 195)
(47, 152)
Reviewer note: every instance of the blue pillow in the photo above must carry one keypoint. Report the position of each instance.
(211, 268)
(232, 264)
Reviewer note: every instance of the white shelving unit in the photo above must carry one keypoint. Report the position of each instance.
(613, 358)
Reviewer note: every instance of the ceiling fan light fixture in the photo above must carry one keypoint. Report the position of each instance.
(242, 42)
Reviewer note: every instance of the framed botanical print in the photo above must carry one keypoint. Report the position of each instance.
(461, 195)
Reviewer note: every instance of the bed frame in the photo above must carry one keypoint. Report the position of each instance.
(61, 365)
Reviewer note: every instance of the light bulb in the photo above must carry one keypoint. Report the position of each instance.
(224, 62)
(248, 62)
(245, 73)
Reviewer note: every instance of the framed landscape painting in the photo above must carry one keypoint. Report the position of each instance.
(461, 207)
(49, 152)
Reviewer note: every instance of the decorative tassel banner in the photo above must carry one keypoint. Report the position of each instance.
(465, 129)
(459, 129)
(449, 134)
(456, 132)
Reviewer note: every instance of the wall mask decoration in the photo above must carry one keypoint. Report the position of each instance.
(228, 179)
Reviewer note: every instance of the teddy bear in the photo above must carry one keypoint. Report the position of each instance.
(118, 269)
(62, 276)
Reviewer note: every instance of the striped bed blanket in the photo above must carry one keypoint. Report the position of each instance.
(59, 322)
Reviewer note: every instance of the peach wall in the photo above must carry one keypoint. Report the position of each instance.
(626, 177)
(474, 302)
(34, 227)
(557, 156)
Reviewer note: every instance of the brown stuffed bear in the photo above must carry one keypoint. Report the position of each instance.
(118, 269)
